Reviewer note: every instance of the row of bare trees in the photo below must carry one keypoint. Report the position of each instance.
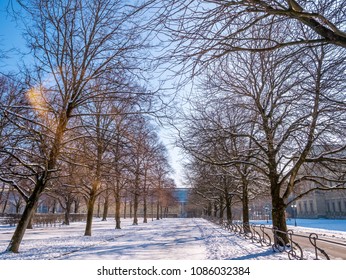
(76, 122)
(267, 106)
(269, 95)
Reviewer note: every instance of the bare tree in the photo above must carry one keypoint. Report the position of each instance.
(286, 103)
(100, 121)
(119, 154)
(74, 43)
(140, 151)
(156, 162)
(66, 188)
(209, 29)
(98, 137)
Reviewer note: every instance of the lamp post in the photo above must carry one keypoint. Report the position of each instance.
(266, 208)
(294, 208)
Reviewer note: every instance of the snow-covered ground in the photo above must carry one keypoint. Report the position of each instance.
(167, 239)
(186, 245)
(177, 239)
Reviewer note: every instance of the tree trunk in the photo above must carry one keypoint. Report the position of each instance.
(76, 206)
(54, 207)
(221, 206)
(30, 224)
(90, 214)
(18, 206)
(24, 221)
(91, 204)
(117, 207)
(98, 207)
(158, 210)
(145, 220)
(125, 204)
(245, 202)
(2, 191)
(209, 209)
(135, 209)
(67, 213)
(105, 208)
(279, 219)
(215, 209)
(6, 200)
(228, 208)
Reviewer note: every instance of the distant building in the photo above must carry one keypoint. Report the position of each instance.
(323, 204)
(181, 196)
(330, 203)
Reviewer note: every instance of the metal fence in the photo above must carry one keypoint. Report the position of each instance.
(48, 219)
(298, 247)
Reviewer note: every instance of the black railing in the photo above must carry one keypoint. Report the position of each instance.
(298, 247)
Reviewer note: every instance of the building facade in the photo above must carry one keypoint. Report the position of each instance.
(329, 204)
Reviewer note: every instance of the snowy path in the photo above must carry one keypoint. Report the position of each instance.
(223, 245)
(168, 239)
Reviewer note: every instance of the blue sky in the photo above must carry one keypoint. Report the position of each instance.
(10, 37)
